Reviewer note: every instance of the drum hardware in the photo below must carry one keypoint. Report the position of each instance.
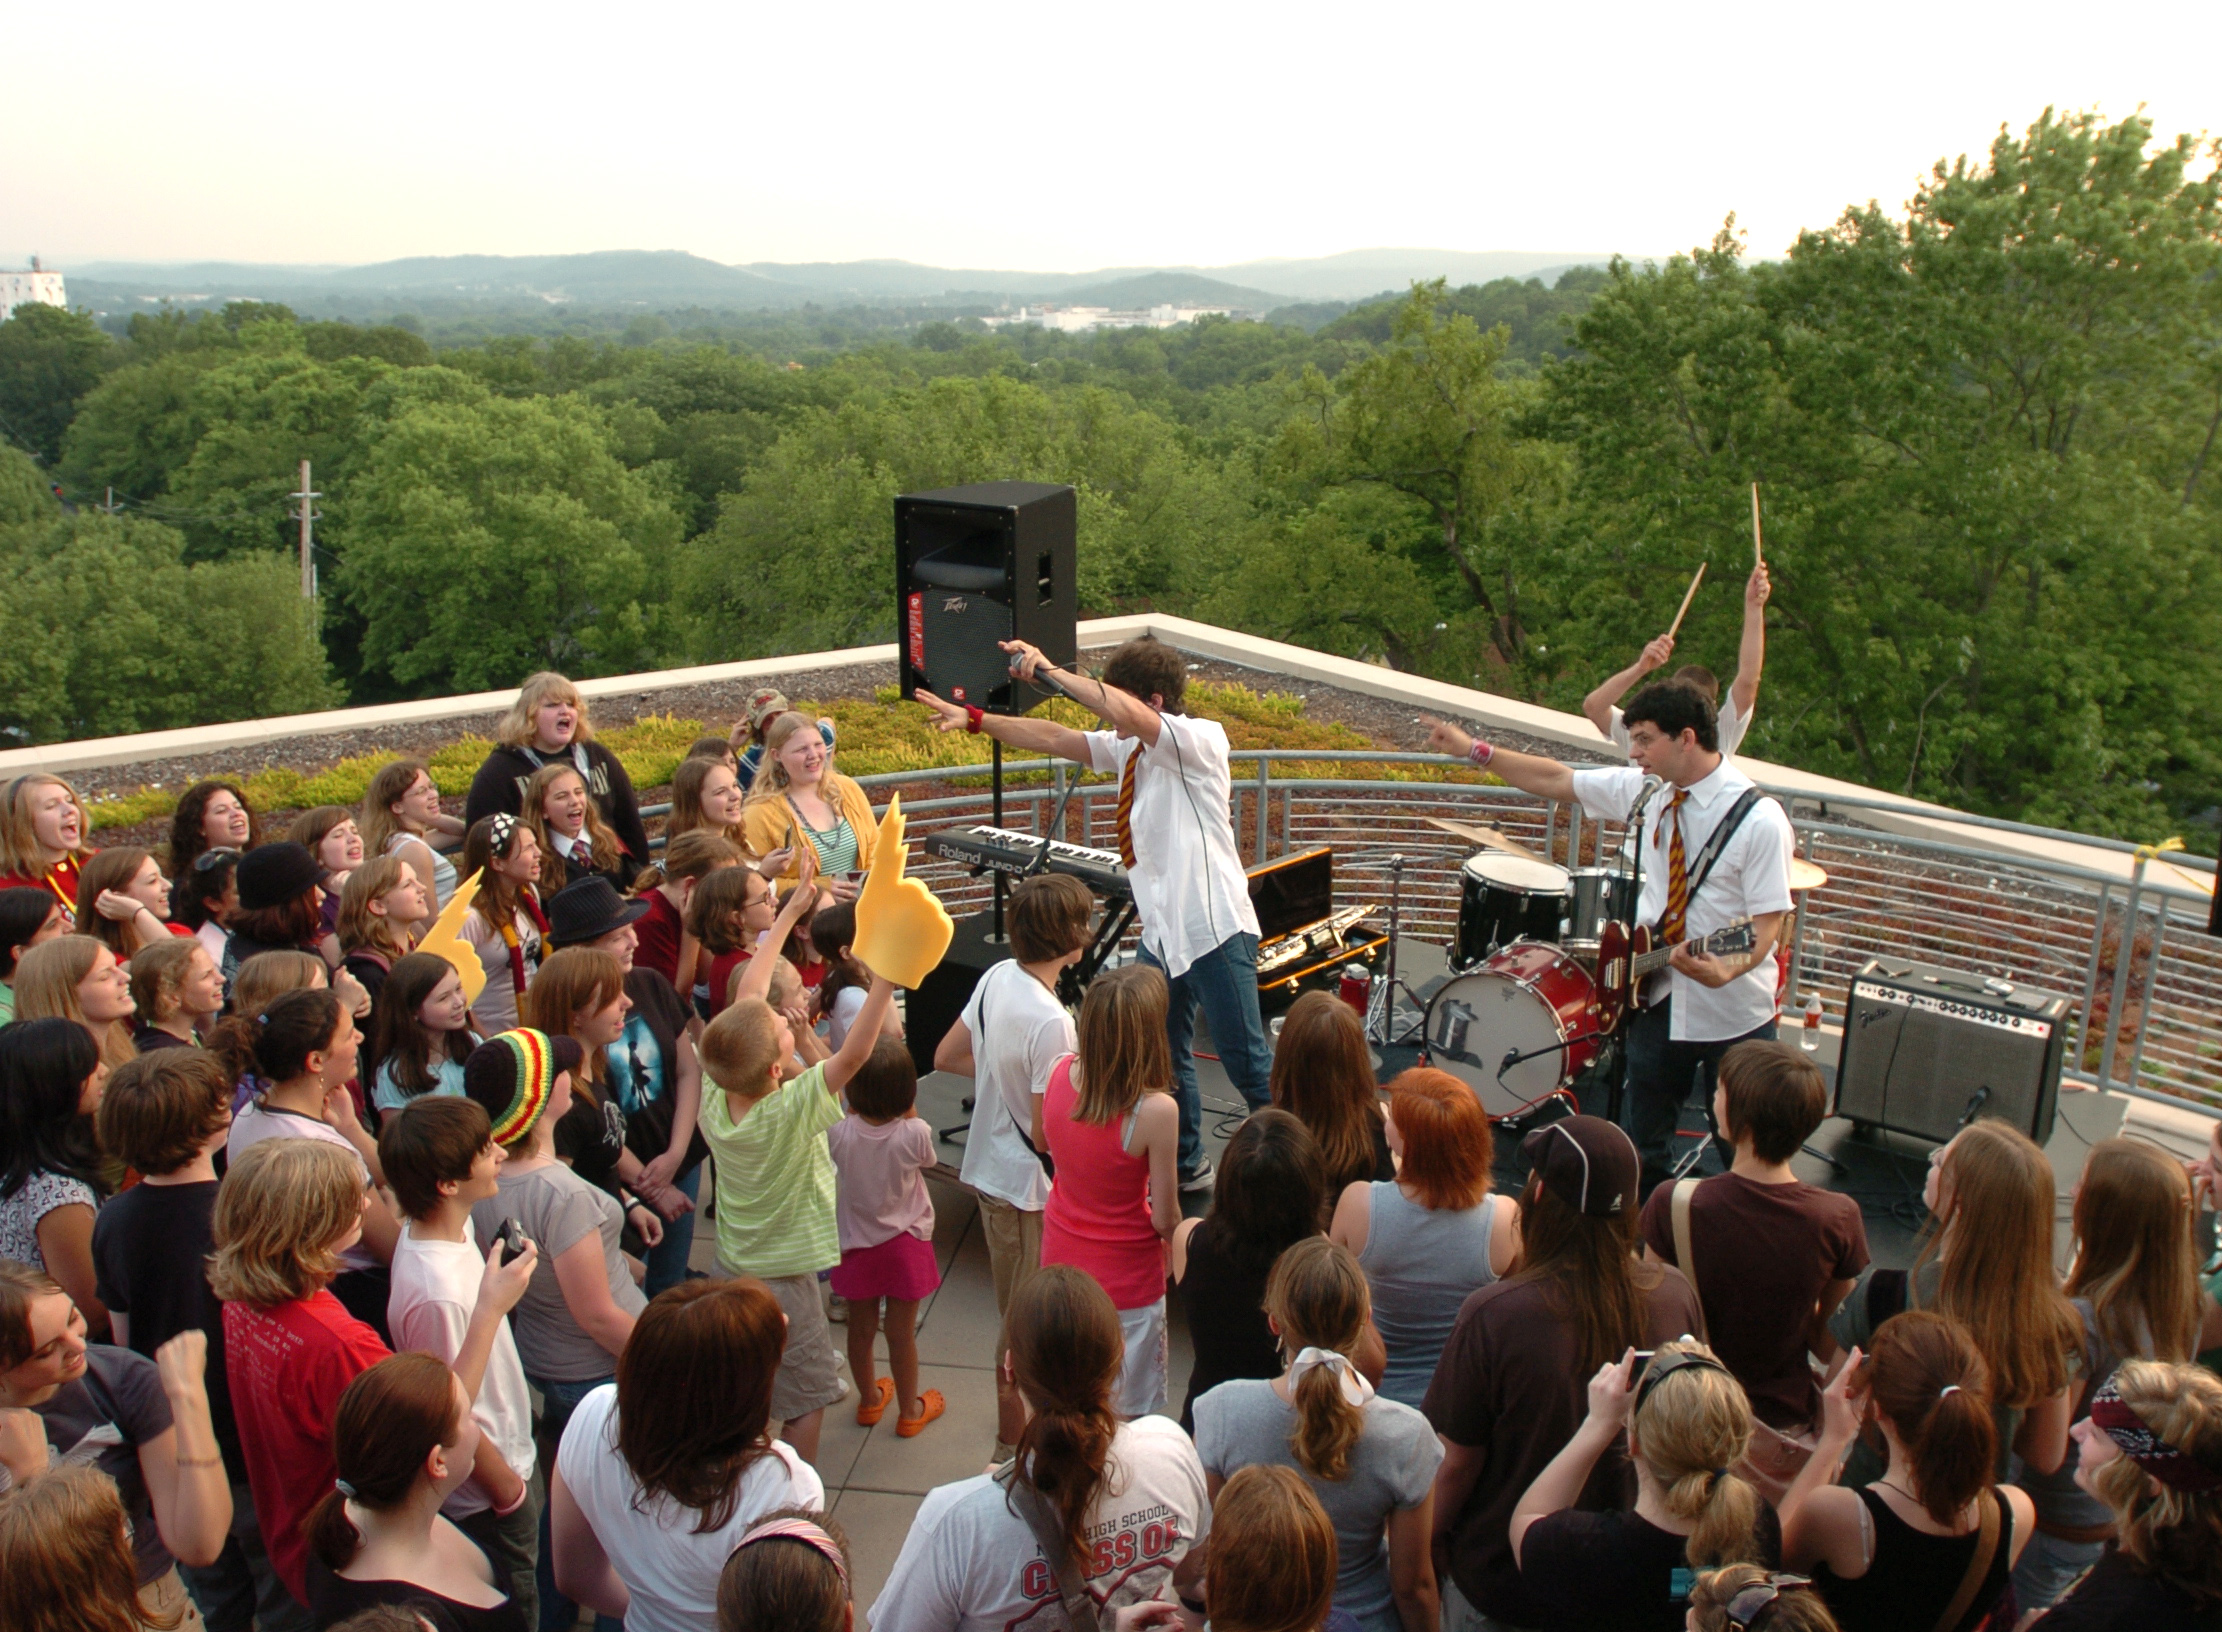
(1381, 1002)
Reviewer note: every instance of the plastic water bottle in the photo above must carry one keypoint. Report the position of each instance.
(1809, 1035)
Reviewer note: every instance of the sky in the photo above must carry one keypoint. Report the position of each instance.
(984, 134)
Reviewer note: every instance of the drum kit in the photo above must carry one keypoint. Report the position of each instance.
(1543, 968)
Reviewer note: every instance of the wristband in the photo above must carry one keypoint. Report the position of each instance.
(524, 1490)
(1481, 753)
(973, 717)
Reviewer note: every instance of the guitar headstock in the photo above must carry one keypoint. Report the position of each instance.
(1739, 937)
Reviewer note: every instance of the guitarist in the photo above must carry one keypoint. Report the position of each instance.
(1712, 857)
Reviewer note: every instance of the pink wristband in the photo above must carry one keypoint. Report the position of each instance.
(1481, 753)
(524, 1490)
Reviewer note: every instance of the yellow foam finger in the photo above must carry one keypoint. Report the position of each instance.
(902, 930)
(445, 939)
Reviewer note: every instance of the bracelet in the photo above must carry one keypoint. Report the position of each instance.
(1481, 753)
(524, 1491)
(973, 717)
(200, 1461)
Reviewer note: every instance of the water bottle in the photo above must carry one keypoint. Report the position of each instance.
(1809, 1036)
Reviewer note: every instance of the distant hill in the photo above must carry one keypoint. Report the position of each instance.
(1169, 289)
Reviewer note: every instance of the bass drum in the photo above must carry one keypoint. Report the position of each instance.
(1505, 898)
(1528, 999)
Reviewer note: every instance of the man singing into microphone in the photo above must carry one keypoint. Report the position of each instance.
(1176, 840)
(1715, 852)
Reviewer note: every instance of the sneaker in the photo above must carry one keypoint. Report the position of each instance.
(1203, 1178)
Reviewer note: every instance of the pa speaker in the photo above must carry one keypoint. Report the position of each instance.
(978, 565)
(938, 1003)
(1928, 1050)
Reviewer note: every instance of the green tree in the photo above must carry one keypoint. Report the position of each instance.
(50, 358)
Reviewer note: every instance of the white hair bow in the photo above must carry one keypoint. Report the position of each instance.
(1354, 1386)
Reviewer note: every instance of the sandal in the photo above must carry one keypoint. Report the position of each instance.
(934, 1405)
(874, 1405)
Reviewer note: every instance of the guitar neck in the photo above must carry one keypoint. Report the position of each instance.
(1735, 938)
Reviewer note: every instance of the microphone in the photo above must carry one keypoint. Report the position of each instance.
(1651, 785)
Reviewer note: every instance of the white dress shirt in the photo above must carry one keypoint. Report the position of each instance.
(1187, 875)
(1751, 877)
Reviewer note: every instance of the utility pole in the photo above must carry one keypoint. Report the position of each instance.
(306, 513)
(111, 506)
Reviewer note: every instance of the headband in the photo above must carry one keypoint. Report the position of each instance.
(802, 1530)
(1747, 1607)
(536, 1074)
(501, 834)
(2171, 1465)
(1660, 1370)
(1355, 1389)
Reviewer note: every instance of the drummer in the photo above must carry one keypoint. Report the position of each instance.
(1743, 691)
(1701, 1005)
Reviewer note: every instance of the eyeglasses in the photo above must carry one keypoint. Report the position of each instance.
(209, 860)
(1745, 1609)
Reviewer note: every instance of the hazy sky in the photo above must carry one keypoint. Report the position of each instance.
(1024, 136)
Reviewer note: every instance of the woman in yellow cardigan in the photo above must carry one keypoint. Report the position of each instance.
(800, 801)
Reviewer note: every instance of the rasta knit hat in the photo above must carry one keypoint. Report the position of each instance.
(511, 1076)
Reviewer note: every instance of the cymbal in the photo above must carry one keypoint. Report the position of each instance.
(1488, 837)
(1805, 876)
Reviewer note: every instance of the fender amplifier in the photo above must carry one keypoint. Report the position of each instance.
(1928, 1050)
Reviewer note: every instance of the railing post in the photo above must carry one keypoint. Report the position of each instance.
(1265, 789)
(2122, 960)
(1797, 938)
(2152, 990)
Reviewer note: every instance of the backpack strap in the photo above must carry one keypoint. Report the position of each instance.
(1684, 1258)
(1027, 1503)
(1978, 1564)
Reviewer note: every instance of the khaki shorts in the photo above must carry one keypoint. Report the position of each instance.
(1014, 1238)
(809, 1375)
(165, 1604)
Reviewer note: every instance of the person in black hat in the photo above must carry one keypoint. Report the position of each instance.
(1511, 1387)
(281, 905)
(650, 1070)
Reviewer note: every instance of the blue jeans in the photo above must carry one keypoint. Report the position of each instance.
(667, 1259)
(558, 1401)
(1661, 1073)
(241, 1590)
(2048, 1567)
(1225, 981)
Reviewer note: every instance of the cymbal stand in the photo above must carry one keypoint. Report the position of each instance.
(1381, 1006)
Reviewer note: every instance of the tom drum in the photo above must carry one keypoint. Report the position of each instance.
(1505, 898)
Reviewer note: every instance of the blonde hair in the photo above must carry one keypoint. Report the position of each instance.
(268, 976)
(1798, 1608)
(2134, 1255)
(360, 929)
(515, 729)
(2174, 1534)
(46, 981)
(785, 988)
(597, 832)
(1123, 1050)
(65, 1557)
(574, 981)
(1694, 1424)
(387, 785)
(740, 1048)
(158, 974)
(19, 844)
(282, 1206)
(1994, 1235)
(694, 853)
(1317, 1295)
(771, 776)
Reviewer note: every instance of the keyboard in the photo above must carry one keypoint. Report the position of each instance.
(996, 849)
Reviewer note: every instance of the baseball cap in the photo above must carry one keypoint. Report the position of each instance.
(1587, 1162)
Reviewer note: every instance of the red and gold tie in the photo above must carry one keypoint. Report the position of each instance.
(1126, 808)
(1674, 927)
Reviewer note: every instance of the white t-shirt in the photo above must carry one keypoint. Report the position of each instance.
(1019, 1030)
(848, 1003)
(671, 1572)
(970, 1564)
(435, 1290)
(496, 1006)
(1751, 877)
(1732, 727)
(1187, 873)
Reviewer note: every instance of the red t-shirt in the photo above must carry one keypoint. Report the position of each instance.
(721, 978)
(288, 1367)
(659, 935)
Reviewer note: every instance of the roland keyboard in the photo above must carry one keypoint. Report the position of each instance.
(996, 849)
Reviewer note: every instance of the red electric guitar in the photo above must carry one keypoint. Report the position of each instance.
(1624, 962)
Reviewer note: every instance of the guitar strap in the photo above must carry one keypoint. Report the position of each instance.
(1717, 841)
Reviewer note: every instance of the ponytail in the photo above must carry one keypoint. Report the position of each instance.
(1692, 1426)
(389, 1420)
(276, 1044)
(1316, 1294)
(1066, 1349)
(1926, 1376)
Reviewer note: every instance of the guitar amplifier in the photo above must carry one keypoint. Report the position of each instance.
(1928, 1050)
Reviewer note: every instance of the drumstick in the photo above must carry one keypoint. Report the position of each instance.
(1686, 599)
(1757, 558)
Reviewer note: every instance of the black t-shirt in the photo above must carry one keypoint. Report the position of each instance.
(591, 1137)
(150, 1260)
(644, 1063)
(333, 1597)
(1618, 1570)
(2116, 1594)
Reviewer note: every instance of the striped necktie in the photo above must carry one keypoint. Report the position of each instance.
(1126, 808)
(1674, 926)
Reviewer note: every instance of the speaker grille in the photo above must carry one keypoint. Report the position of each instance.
(1919, 1062)
(958, 634)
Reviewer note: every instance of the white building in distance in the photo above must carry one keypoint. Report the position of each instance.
(1081, 319)
(36, 287)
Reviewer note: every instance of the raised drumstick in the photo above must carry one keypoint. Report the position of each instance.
(1689, 596)
(1758, 559)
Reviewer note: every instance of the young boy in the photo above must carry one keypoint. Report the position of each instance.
(440, 1160)
(1010, 1034)
(1772, 1256)
(767, 1125)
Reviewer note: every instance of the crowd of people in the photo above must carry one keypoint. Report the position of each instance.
(334, 1295)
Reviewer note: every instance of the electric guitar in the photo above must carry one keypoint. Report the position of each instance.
(1625, 961)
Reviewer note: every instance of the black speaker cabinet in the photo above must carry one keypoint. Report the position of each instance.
(977, 565)
(938, 1004)
(1927, 1050)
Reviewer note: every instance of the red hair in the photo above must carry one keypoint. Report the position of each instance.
(1447, 1143)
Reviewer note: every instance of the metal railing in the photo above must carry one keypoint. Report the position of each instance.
(2142, 976)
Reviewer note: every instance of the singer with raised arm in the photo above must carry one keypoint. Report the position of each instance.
(1716, 855)
(1176, 840)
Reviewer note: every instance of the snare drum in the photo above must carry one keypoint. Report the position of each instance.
(1527, 999)
(1596, 896)
(1505, 898)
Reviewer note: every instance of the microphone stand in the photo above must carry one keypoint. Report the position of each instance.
(1617, 1087)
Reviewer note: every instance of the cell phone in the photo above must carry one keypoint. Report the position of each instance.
(1643, 1360)
(854, 876)
(512, 1237)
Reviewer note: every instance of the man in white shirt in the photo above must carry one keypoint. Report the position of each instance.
(1701, 1005)
(1011, 1033)
(440, 1160)
(1743, 691)
(1176, 838)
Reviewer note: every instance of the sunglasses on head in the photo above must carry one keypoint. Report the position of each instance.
(209, 860)
(1745, 1609)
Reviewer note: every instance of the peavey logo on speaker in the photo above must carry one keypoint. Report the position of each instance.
(952, 604)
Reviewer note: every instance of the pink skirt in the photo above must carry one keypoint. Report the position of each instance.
(902, 1267)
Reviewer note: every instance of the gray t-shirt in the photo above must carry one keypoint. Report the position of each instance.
(557, 1209)
(1392, 1467)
